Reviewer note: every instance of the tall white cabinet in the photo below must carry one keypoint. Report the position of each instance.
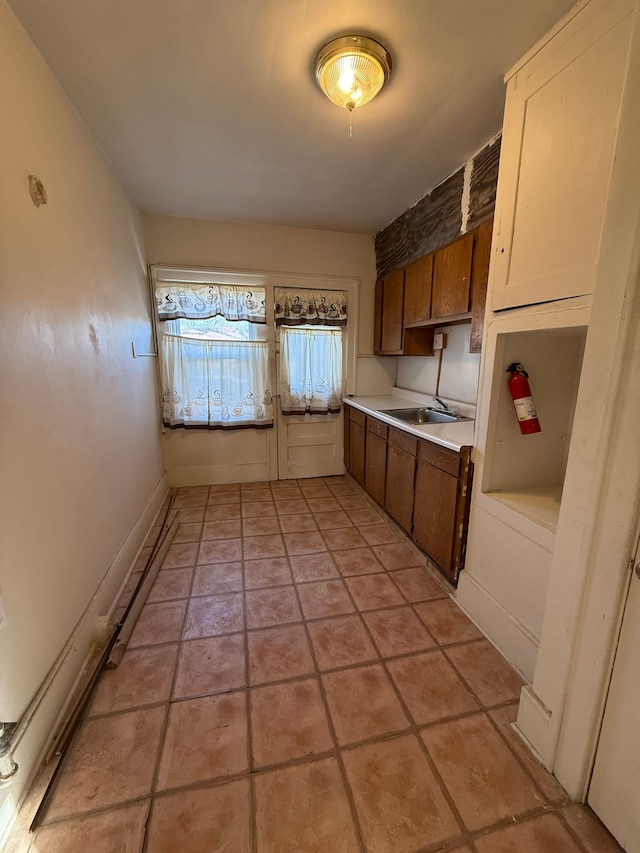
(563, 270)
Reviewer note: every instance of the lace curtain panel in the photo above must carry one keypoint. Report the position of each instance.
(310, 371)
(311, 307)
(215, 384)
(191, 301)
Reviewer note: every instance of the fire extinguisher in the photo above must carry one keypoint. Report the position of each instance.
(522, 399)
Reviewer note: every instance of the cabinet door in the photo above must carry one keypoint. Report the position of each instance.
(376, 466)
(452, 278)
(392, 313)
(357, 446)
(561, 124)
(434, 517)
(377, 321)
(417, 291)
(398, 499)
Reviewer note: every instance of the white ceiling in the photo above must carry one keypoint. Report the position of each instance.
(208, 108)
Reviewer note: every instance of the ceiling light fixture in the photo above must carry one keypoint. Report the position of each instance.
(351, 70)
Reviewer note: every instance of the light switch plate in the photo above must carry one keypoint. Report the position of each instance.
(440, 340)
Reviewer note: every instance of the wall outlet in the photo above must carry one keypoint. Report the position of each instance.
(440, 340)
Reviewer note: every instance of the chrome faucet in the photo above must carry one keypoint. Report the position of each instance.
(442, 403)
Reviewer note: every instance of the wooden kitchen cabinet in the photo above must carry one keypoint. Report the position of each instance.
(376, 459)
(417, 291)
(390, 335)
(357, 426)
(446, 287)
(392, 313)
(424, 487)
(451, 288)
(401, 469)
(442, 491)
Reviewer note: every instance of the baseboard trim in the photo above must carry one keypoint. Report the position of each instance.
(43, 716)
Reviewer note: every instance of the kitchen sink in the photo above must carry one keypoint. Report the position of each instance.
(424, 415)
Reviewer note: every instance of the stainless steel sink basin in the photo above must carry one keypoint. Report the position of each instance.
(424, 415)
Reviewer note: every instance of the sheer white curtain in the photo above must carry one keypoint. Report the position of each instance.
(310, 370)
(215, 384)
(214, 356)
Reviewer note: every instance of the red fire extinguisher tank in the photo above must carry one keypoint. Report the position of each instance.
(522, 399)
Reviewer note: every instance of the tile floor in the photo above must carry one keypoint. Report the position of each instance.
(300, 681)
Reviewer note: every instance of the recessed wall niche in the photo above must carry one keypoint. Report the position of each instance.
(526, 472)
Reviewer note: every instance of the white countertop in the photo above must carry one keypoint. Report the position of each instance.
(452, 435)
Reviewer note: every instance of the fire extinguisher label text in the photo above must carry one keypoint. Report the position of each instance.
(525, 409)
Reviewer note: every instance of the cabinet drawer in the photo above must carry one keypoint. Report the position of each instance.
(403, 441)
(440, 457)
(377, 427)
(356, 416)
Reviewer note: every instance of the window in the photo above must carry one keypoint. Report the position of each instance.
(310, 370)
(214, 356)
(311, 375)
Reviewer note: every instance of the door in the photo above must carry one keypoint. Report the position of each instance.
(614, 793)
(309, 445)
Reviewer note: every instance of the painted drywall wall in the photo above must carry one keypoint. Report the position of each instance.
(80, 447)
(191, 458)
(459, 373)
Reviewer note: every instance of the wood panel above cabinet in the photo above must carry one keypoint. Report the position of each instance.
(442, 288)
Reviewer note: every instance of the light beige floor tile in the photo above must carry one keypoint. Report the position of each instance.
(481, 774)
(417, 584)
(324, 598)
(269, 607)
(372, 592)
(341, 641)
(217, 578)
(363, 704)
(111, 761)
(210, 615)
(397, 631)
(171, 584)
(486, 672)
(313, 567)
(202, 821)
(540, 835)
(121, 829)
(304, 809)
(210, 665)
(288, 721)
(447, 622)
(431, 688)
(143, 677)
(158, 623)
(278, 653)
(205, 738)
(398, 800)
(268, 571)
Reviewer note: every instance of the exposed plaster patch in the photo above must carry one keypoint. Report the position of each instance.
(466, 196)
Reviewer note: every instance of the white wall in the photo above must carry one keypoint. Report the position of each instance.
(229, 245)
(460, 368)
(80, 449)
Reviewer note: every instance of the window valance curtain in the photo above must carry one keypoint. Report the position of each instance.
(310, 371)
(215, 384)
(193, 301)
(313, 307)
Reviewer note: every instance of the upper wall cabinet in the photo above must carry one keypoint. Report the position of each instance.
(558, 146)
(417, 291)
(451, 289)
(444, 287)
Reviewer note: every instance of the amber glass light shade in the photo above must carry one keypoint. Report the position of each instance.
(351, 70)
